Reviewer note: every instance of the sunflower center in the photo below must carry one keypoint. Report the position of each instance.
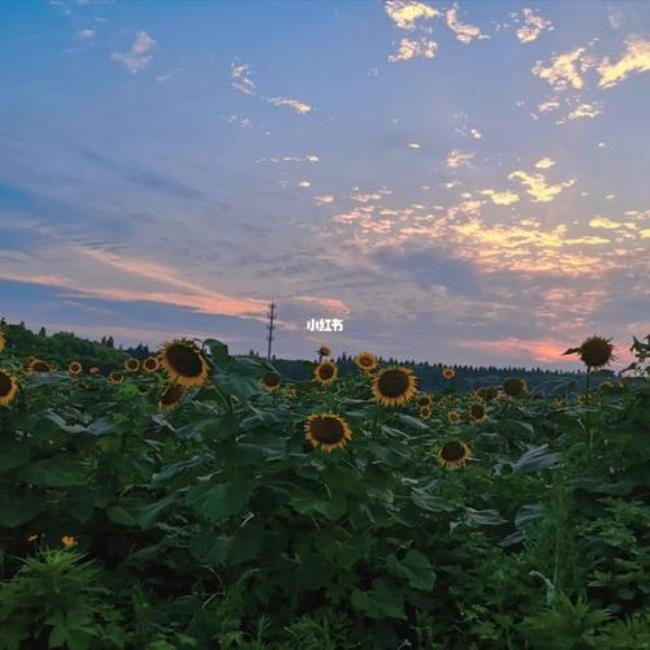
(184, 360)
(40, 366)
(477, 410)
(453, 451)
(393, 383)
(5, 384)
(365, 361)
(327, 430)
(326, 372)
(149, 364)
(271, 379)
(172, 394)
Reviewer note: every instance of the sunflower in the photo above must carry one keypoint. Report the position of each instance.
(327, 431)
(271, 380)
(323, 351)
(132, 365)
(93, 370)
(290, 392)
(171, 397)
(606, 386)
(477, 412)
(453, 417)
(8, 388)
(75, 368)
(184, 363)
(594, 352)
(425, 412)
(68, 541)
(425, 400)
(514, 386)
(150, 364)
(558, 402)
(115, 378)
(3, 341)
(448, 373)
(36, 365)
(394, 386)
(366, 361)
(492, 393)
(53, 367)
(453, 455)
(326, 372)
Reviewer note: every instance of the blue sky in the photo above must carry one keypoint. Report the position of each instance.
(463, 182)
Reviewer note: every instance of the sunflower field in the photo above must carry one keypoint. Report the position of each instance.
(195, 499)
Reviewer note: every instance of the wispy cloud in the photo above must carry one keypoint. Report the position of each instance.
(324, 199)
(537, 186)
(584, 110)
(457, 158)
(635, 59)
(139, 56)
(533, 26)
(86, 34)
(294, 104)
(241, 78)
(564, 70)
(545, 163)
(465, 33)
(406, 14)
(505, 197)
(410, 48)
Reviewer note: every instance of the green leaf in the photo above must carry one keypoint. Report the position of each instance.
(415, 568)
(489, 517)
(536, 459)
(147, 515)
(58, 471)
(381, 601)
(527, 515)
(208, 549)
(218, 351)
(412, 422)
(218, 501)
(422, 498)
(102, 427)
(12, 455)
(18, 511)
(119, 515)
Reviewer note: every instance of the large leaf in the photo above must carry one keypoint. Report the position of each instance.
(147, 515)
(18, 511)
(210, 549)
(382, 601)
(12, 455)
(527, 515)
(217, 501)
(415, 568)
(424, 499)
(488, 517)
(536, 459)
(412, 422)
(58, 471)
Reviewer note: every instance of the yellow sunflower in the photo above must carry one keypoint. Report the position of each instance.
(53, 367)
(492, 393)
(425, 400)
(323, 351)
(115, 378)
(366, 361)
(132, 365)
(327, 431)
(68, 541)
(514, 386)
(184, 363)
(93, 370)
(425, 412)
(75, 368)
(477, 412)
(394, 386)
(271, 380)
(326, 372)
(453, 455)
(448, 373)
(3, 341)
(36, 365)
(171, 397)
(290, 392)
(8, 388)
(453, 417)
(150, 364)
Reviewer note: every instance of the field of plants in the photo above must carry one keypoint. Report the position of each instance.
(194, 499)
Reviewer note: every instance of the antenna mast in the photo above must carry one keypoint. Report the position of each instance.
(270, 327)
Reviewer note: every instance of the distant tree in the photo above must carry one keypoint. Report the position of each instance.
(42, 332)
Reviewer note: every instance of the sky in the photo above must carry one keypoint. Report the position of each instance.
(456, 182)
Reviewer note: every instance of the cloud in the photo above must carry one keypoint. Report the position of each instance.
(414, 145)
(545, 163)
(241, 78)
(476, 134)
(538, 187)
(604, 222)
(312, 158)
(335, 306)
(464, 33)
(564, 70)
(406, 14)
(324, 199)
(304, 184)
(501, 198)
(533, 26)
(542, 350)
(585, 110)
(294, 104)
(86, 34)
(138, 57)
(457, 158)
(635, 59)
(549, 105)
(412, 49)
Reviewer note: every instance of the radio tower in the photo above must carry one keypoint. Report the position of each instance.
(270, 327)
